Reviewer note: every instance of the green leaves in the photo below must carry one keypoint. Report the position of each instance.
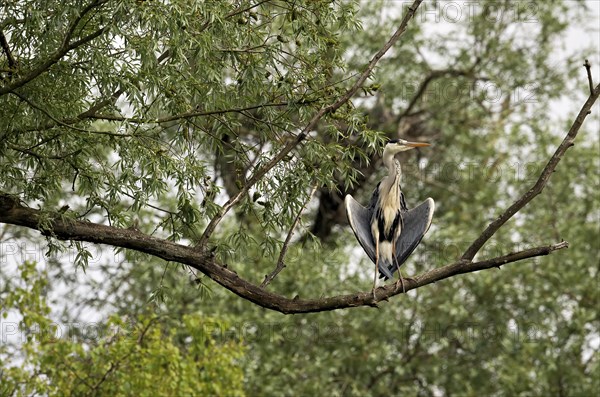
(125, 357)
(89, 125)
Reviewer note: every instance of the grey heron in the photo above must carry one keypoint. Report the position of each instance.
(386, 229)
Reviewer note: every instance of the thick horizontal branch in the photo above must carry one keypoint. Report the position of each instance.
(541, 182)
(12, 212)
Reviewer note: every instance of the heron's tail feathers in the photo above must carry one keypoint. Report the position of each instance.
(385, 269)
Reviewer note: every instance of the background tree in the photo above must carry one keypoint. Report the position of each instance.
(150, 116)
(122, 358)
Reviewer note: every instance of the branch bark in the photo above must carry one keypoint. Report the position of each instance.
(588, 69)
(13, 212)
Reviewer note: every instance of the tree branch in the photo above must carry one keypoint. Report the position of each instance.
(541, 182)
(434, 75)
(262, 171)
(588, 69)
(50, 116)
(88, 114)
(13, 212)
(12, 64)
(186, 115)
(56, 225)
(93, 115)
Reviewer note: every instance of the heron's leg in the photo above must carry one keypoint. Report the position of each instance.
(376, 266)
(400, 279)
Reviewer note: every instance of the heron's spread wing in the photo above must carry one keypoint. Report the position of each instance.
(416, 224)
(360, 222)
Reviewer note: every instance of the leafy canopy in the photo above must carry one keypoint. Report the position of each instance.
(113, 105)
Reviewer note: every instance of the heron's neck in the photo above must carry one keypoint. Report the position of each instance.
(390, 185)
(393, 166)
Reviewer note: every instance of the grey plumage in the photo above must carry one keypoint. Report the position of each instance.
(386, 229)
(416, 223)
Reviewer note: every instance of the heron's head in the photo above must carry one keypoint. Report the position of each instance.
(400, 145)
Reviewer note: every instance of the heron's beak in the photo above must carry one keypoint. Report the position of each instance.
(416, 144)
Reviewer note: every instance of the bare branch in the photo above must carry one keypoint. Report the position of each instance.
(541, 182)
(464, 266)
(588, 68)
(262, 171)
(280, 265)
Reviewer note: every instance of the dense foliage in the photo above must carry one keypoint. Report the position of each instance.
(152, 114)
(142, 356)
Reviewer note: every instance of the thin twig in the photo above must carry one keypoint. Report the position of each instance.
(262, 171)
(280, 264)
(91, 114)
(57, 121)
(588, 68)
(41, 156)
(99, 104)
(186, 115)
